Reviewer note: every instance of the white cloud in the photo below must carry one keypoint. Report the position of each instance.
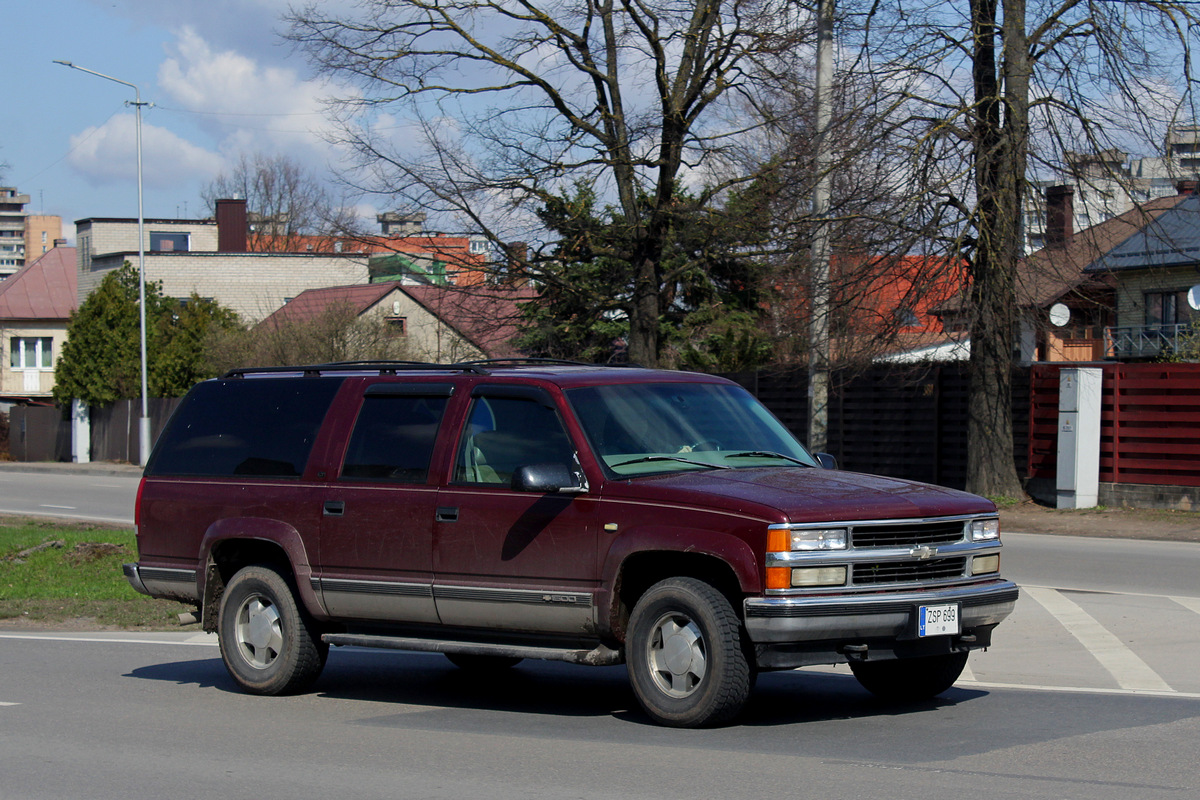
(242, 102)
(108, 154)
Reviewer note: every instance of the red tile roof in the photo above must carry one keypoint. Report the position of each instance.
(44, 289)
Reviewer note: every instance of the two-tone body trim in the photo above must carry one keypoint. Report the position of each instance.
(162, 581)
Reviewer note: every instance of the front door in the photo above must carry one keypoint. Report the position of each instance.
(507, 559)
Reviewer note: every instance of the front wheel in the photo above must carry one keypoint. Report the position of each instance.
(907, 680)
(268, 642)
(686, 661)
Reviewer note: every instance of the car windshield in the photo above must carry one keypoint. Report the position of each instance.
(644, 428)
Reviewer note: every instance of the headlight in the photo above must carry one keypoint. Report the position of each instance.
(786, 540)
(985, 530)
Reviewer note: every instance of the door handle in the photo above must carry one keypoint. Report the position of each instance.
(447, 514)
(334, 508)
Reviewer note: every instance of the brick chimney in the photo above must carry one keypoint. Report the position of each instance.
(1188, 187)
(231, 226)
(1060, 215)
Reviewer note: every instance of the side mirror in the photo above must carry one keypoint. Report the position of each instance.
(827, 461)
(546, 479)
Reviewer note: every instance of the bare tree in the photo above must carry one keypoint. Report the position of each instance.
(508, 103)
(968, 92)
(285, 201)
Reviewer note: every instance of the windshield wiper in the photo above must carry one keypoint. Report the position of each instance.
(645, 459)
(766, 454)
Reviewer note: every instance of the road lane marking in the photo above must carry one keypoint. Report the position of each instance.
(1037, 687)
(967, 674)
(9, 704)
(1190, 603)
(1129, 671)
(65, 508)
(197, 640)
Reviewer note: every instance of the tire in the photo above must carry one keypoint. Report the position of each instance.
(269, 643)
(686, 660)
(472, 662)
(908, 680)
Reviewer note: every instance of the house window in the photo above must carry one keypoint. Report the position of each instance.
(31, 352)
(1168, 308)
(163, 242)
(397, 326)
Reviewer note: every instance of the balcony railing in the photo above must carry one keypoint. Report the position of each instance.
(1149, 341)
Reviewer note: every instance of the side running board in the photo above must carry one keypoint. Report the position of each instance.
(600, 656)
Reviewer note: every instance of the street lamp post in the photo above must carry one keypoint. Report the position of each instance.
(144, 422)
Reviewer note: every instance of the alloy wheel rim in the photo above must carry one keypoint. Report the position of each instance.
(259, 631)
(678, 657)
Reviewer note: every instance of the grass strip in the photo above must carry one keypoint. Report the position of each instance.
(60, 574)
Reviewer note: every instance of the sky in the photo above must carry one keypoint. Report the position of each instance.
(222, 81)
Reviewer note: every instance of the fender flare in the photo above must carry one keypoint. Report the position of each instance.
(256, 529)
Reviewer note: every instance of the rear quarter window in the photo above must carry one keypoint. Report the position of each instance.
(244, 427)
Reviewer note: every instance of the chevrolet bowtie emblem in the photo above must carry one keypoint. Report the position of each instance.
(924, 552)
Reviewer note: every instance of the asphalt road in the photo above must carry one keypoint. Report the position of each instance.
(132, 717)
(1089, 691)
(103, 496)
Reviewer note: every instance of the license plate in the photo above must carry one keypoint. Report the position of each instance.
(937, 620)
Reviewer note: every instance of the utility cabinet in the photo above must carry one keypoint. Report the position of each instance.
(1079, 404)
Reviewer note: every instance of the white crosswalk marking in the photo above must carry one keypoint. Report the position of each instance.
(1190, 603)
(1129, 671)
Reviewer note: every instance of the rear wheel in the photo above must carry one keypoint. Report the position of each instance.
(910, 679)
(686, 662)
(472, 662)
(269, 643)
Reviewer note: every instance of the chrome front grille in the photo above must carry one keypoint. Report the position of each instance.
(885, 572)
(907, 534)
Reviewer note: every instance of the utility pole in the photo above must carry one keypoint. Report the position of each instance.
(144, 422)
(818, 354)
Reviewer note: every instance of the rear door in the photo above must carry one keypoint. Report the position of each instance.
(376, 554)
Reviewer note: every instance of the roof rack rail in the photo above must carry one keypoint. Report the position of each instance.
(564, 362)
(384, 367)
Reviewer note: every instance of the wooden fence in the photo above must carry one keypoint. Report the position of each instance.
(38, 433)
(1149, 425)
(43, 433)
(903, 422)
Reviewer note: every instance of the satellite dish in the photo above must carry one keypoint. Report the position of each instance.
(1194, 297)
(1060, 315)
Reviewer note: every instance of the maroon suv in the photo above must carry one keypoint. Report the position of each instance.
(598, 515)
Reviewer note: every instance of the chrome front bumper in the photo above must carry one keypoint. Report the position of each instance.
(784, 620)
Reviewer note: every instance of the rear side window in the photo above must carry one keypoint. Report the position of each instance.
(247, 427)
(393, 439)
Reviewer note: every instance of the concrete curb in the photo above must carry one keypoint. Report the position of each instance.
(65, 468)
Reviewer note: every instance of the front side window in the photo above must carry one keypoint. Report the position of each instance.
(393, 439)
(505, 433)
(645, 428)
(31, 352)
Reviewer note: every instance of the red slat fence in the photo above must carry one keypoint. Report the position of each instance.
(1149, 424)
